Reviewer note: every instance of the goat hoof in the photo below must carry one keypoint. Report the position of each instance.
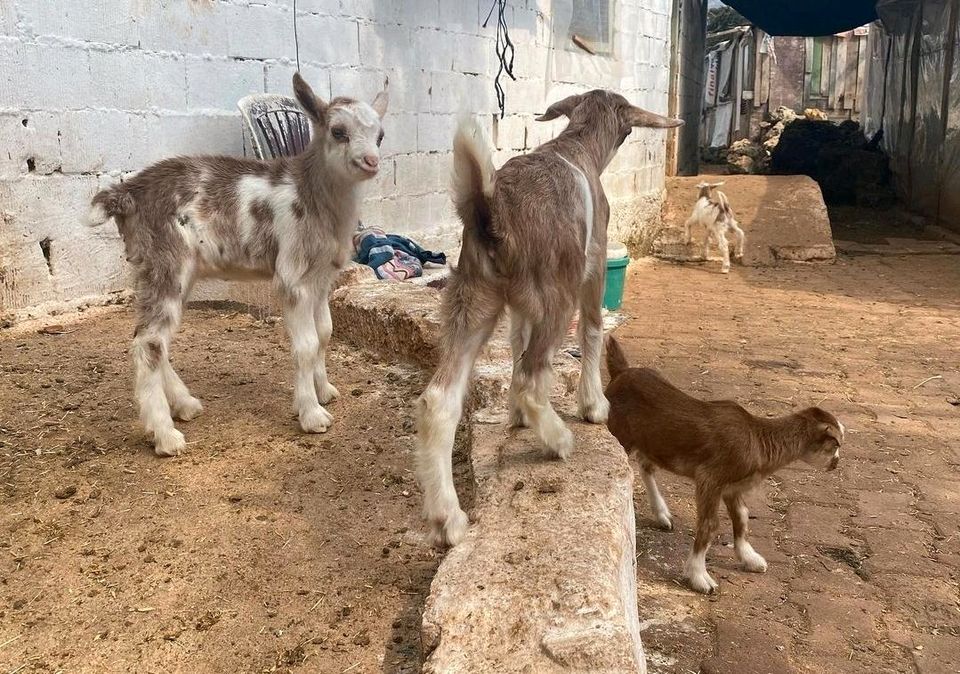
(755, 564)
(559, 441)
(327, 392)
(665, 522)
(450, 530)
(315, 420)
(517, 420)
(169, 443)
(595, 412)
(187, 409)
(702, 583)
(725, 270)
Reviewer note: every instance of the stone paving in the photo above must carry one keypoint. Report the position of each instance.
(864, 561)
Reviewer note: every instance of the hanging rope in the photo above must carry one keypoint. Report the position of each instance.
(504, 47)
(296, 38)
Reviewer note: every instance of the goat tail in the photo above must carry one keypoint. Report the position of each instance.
(112, 202)
(724, 204)
(616, 359)
(473, 178)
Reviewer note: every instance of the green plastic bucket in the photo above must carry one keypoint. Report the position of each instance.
(617, 260)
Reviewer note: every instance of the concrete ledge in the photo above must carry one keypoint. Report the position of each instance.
(783, 217)
(546, 579)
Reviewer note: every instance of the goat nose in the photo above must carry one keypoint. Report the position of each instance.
(371, 160)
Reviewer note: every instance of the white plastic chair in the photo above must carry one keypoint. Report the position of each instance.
(276, 125)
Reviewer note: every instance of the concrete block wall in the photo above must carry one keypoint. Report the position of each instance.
(91, 90)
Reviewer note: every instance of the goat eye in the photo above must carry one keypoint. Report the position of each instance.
(339, 134)
(380, 139)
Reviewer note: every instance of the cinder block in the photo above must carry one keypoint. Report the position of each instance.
(433, 49)
(27, 280)
(474, 54)
(394, 213)
(32, 144)
(511, 132)
(327, 39)
(462, 16)
(360, 83)
(400, 133)
(8, 19)
(219, 84)
(39, 207)
(91, 263)
(385, 184)
(134, 81)
(409, 89)
(435, 132)
(328, 7)
(173, 135)
(371, 10)
(104, 21)
(27, 71)
(464, 94)
(279, 78)
(407, 173)
(102, 141)
(434, 171)
(266, 32)
(382, 44)
(420, 13)
(187, 27)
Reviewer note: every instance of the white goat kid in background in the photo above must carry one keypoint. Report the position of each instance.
(713, 212)
(224, 217)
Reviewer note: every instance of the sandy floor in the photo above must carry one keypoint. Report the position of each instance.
(263, 549)
(260, 549)
(865, 561)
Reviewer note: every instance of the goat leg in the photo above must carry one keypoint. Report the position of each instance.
(695, 568)
(661, 513)
(470, 312)
(305, 343)
(519, 338)
(325, 390)
(740, 517)
(592, 404)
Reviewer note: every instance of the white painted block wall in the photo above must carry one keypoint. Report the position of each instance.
(93, 89)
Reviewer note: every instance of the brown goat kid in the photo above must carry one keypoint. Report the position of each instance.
(287, 219)
(534, 240)
(723, 448)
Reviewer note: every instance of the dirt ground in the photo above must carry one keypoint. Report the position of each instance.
(260, 549)
(864, 561)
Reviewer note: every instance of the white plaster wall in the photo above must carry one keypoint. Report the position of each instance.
(93, 89)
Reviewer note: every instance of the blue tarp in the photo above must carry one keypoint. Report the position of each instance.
(808, 18)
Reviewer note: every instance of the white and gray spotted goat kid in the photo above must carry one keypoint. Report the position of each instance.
(713, 213)
(290, 219)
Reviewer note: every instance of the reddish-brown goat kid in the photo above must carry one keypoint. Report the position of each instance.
(723, 448)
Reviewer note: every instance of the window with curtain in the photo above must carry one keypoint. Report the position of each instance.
(591, 26)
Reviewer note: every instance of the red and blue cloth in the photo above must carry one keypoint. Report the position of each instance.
(392, 256)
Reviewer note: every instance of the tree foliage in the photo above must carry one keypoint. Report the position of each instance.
(722, 18)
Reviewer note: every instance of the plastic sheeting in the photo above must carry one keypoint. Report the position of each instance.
(914, 96)
(806, 18)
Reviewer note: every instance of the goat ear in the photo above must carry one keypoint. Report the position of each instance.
(720, 184)
(641, 117)
(833, 432)
(309, 101)
(563, 108)
(380, 102)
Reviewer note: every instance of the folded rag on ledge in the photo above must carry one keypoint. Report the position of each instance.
(392, 256)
